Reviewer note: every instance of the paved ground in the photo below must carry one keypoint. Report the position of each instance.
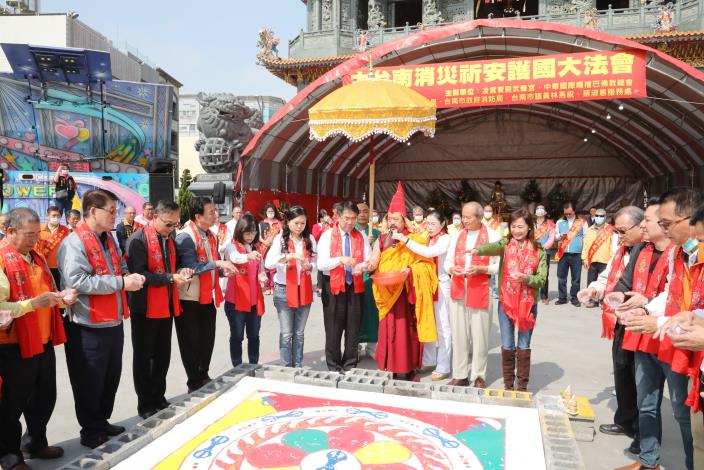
(567, 350)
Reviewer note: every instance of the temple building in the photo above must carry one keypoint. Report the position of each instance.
(337, 29)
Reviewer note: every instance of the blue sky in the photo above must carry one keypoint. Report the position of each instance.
(206, 45)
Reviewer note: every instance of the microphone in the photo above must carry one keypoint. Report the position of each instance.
(394, 241)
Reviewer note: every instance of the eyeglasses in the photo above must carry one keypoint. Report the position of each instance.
(667, 225)
(623, 232)
(168, 225)
(111, 211)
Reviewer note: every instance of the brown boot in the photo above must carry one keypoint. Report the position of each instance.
(508, 360)
(522, 369)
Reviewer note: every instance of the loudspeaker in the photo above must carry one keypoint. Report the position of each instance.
(219, 193)
(156, 165)
(161, 186)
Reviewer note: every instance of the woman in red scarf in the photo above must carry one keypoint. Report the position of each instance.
(291, 257)
(244, 302)
(522, 273)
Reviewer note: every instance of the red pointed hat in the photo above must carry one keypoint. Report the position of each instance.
(398, 202)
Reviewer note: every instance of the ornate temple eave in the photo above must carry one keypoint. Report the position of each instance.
(687, 46)
(298, 71)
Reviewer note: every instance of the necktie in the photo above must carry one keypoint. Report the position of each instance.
(348, 269)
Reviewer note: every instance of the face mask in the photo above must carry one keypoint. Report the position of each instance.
(418, 218)
(53, 220)
(599, 220)
(375, 219)
(270, 215)
(690, 245)
(487, 215)
(540, 212)
(456, 221)
(64, 172)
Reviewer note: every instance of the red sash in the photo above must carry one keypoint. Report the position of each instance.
(650, 285)
(50, 244)
(477, 284)
(158, 296)
(274, 229)
(604, 235)
(516, 297)
(18, 275)
(577, 225)
(608, 315)
(676, 302)
(543, 228)
(222, 233)
(206, 279)
(694, 399)
(243, 295)
(103, 308)
(337, 275)
(299, 292)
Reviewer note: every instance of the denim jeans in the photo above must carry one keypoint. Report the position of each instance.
(292, 322)
(508, 335)
(651, 375)
(239, 323)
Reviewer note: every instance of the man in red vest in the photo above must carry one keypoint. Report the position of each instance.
(152, 253)
(91, 262)
(676, 209)
(197, 249)
(343, 253)
(27, 360)
(471, 308)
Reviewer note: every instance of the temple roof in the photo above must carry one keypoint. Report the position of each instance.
(668, 36)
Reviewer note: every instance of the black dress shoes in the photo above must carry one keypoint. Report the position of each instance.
(613, 430)
(114, 430)
(94, 441)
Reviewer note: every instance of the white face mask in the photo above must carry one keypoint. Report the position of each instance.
(599, 219)
(487, 215)
(375, 219)
(418, 218)
(53, 221)
(540, 212)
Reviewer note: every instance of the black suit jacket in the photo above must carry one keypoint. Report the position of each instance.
(137, 256)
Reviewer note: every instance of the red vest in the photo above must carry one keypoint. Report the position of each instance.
(337, 275)
(158, 296)
(103, 308)
(243, 295)
(477, 284)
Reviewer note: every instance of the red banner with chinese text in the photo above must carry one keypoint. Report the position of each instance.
(599, 75)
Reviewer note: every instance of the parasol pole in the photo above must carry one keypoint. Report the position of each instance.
(372, 164)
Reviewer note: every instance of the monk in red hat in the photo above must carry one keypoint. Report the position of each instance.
(406, 316)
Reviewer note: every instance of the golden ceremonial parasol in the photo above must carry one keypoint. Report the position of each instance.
(370, 107)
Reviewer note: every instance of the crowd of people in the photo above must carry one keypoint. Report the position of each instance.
(415, 293)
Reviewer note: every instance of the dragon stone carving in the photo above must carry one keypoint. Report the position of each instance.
(224, 126)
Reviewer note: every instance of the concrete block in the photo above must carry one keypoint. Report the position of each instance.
(233, 378)
(285, 374)
(125, 445)
(371, 373)
(409, 389)
(247, 369)
(549, 403)
(319, 378)
(91, 460)
(365, 384)
(583, 432)
(217, 386)
(452, 393)
(506, 398)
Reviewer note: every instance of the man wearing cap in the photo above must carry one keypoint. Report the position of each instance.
(406, 316)
(600, 243)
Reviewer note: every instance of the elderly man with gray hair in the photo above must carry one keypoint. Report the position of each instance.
(31, 326)
(627, 226)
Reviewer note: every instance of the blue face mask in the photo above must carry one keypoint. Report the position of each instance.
(456, 221)
(598, 220)
(690, 245)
